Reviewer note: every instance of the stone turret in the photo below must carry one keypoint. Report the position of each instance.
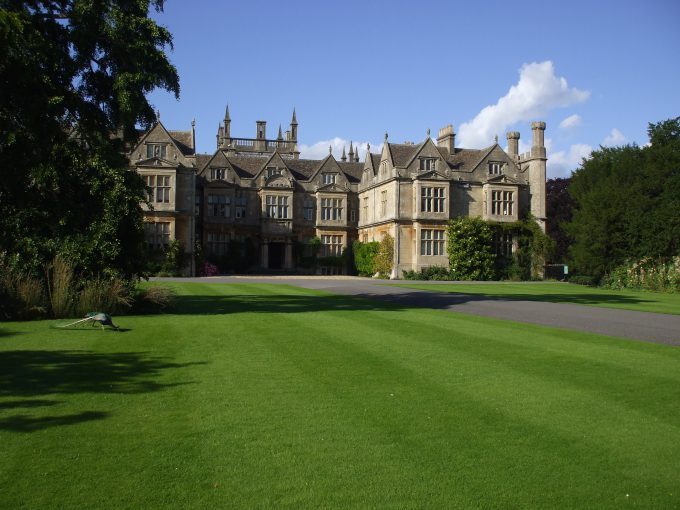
(513, 143)
(351, 152)
(538, 144)
(536, 162)
(343, 158)
(447, 138)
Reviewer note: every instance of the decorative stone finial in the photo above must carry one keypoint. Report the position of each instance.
(496, 138)
(330, 149)
(368, 147)
(193, 122)
(428, 132)
(385, 135)
(158, 115)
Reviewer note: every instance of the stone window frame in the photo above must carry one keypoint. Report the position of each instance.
(332, 209)
(329, 178)
(156, 150)
(157, 233)
(495, 167)
(432, 242)
(217, 243)
(219, 205)
(158, 188)
(331, 245)
(433, 199)
(503, 244)
(217, 174)
(308, 209)
(427, 164)
(502, 202)
(277, 207)
(383, 203)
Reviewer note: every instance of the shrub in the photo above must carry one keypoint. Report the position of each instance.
(582, 280)
(470, 249)
(364, 257)
(384, 258)
(208, 269)
(437, 273)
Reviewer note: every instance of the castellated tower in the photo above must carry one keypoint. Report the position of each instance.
(536, 160)
(513, 144)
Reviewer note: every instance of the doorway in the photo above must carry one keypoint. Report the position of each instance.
(277, 252)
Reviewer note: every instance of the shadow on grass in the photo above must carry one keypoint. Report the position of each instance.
(34, 373)
(27, 374)
(578, 299)
(279, 303)
(23, 423)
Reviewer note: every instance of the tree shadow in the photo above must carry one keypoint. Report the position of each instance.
(27, 374)
(22, 423)
(270, 303)
(23, 404)
(34, 373)
(454, 297)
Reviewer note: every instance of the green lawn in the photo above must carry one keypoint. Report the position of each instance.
(274, 396)
(643, 301)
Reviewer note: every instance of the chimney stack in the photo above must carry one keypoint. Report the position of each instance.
(447, 138)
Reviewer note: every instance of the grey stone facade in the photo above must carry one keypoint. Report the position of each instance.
(254, 200)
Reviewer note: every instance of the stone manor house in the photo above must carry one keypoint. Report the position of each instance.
(256, 194)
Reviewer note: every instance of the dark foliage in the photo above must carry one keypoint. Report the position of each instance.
(627, 202)
(559, 210)
(72, 73)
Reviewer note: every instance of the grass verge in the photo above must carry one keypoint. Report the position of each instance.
(256, 395)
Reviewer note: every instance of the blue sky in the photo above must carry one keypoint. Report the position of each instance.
(596, 72)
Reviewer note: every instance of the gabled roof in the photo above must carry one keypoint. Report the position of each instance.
(185, 149)
(402, 153)
(245, 166)
(184, 141)
(464, 160)
(303, 169)
(352, 171)
(202, 160)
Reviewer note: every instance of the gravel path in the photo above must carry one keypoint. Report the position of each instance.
(644, 326)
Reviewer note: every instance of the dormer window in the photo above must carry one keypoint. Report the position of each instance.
(495, 168)
(428, 164)
(329, 178)
(217, 174)
(155, 150)
(272, 170)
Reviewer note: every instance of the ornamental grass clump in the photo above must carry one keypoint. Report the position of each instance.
(108, 295)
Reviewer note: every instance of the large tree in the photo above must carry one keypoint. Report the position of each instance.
(74, 75)
(559, 209)
(627, 202)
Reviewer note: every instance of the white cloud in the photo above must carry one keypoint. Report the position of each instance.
(615, 138)
(561, 163)
(537, 92)
(571, 122)
(319, 150)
